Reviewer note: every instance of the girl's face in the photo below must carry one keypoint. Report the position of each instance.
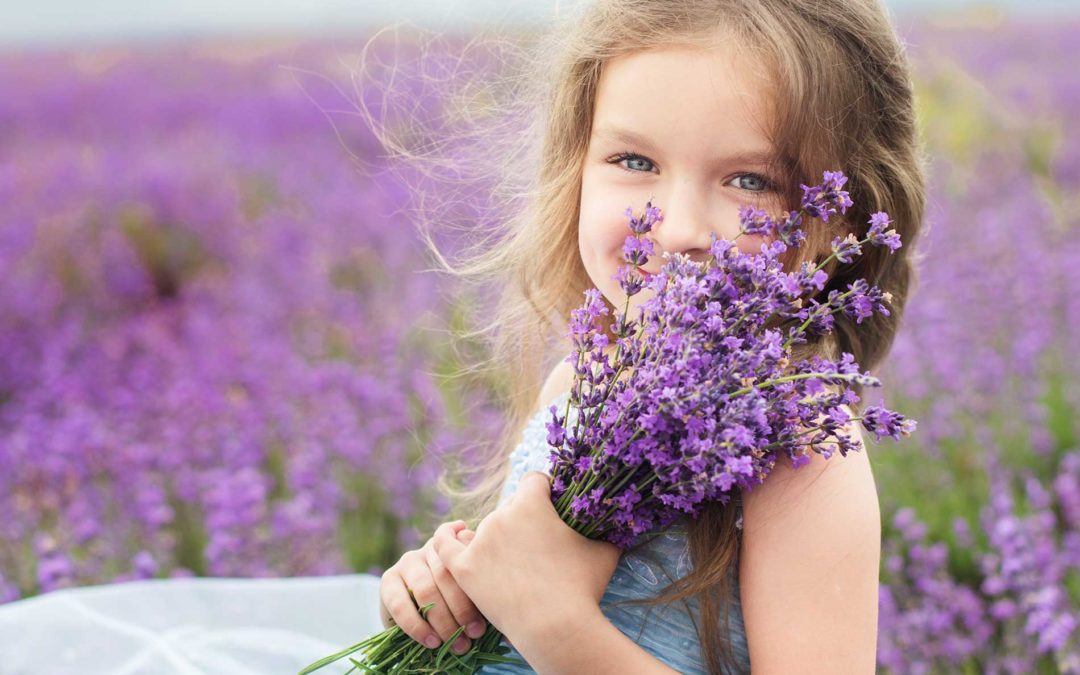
(686, 127)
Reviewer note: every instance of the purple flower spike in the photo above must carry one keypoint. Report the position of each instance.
(821, 201)
(879, 236)
(881, 422)
(755, 221)
(645, 223)
(628, 281)
(636, 250)
(846, 248)
(790, 229)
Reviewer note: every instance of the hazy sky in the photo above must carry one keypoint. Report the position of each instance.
(44, 22)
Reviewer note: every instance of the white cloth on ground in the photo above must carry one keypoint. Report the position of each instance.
(195, 626)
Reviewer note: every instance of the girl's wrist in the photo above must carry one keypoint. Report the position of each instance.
(585, 641)
(546, 630)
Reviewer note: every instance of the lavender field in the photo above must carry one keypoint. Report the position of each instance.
(222, 355)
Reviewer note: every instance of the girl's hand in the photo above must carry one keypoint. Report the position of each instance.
(427, 577)
(525, 568)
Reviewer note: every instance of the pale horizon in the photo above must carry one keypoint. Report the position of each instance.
(71, 23)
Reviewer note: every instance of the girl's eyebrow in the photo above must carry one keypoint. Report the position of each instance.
(760, 157)
(624, 136)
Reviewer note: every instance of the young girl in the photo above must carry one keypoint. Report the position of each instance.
(700, 105)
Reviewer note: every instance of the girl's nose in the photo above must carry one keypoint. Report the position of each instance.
(691, 215)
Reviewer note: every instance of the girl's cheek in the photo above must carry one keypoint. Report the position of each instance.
(607, 227)
(751, 243)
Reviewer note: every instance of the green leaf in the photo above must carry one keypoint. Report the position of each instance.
(446, 646)
(325, 661)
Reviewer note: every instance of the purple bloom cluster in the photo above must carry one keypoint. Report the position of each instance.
(700, 397)
(821, 201)
(931, 620)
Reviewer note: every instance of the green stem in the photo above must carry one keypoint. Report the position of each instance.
(790, 378)
(823, 309)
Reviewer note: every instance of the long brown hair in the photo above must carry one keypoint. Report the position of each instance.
(843, 101)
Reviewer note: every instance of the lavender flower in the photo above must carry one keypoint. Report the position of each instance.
(881, 422)
(879, 236)
(711, 396)
(821, 201)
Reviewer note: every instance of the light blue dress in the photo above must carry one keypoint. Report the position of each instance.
(666, 631)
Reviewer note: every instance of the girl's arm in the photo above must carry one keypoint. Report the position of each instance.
(809, 566)
(540, 583)
(585, 642)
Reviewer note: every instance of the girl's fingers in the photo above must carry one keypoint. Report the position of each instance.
(458, 610)
(439, 618)
(462, 610)
(535, 486)
(448, 548)
(395, 597)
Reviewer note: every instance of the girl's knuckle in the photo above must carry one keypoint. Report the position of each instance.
(466, 613)
(469, 610)
(400, 608)
(438, 569)
(446, 571)
(436, 544)
(424, 589)
(442, 576)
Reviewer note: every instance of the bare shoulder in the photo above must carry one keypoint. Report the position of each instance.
(558, 382)
(810, 558)
(835, 478)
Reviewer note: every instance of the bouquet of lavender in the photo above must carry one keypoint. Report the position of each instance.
(711, 396)
(701, 395)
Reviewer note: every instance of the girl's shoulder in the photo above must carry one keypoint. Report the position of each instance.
(559, 382)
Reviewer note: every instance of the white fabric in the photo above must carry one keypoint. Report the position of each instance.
(193, 626)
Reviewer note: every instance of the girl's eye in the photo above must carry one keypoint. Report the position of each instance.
(636, 163)
(641, 163)
(752, 182)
